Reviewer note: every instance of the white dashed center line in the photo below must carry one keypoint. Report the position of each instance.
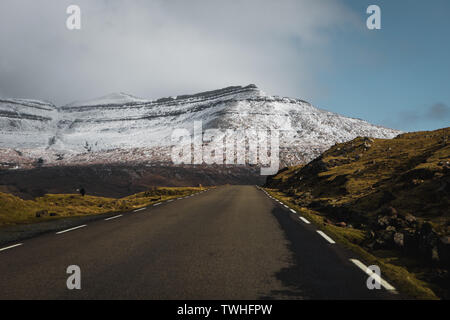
(10, 247)
(326, 237)
(111, 218)
(374, 276)
(71, 229)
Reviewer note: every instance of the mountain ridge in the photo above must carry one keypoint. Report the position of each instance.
(91, 130)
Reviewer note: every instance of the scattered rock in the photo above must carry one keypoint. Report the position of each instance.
(383, 221)
(444, 250)
(390, 211)
(399, 239)
(41, 213)
(411, 220)
(391, 229)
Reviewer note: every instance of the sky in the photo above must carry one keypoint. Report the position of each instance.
(317, 50)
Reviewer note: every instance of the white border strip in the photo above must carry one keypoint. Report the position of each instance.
(71, 229)
(115, 217)
(137, 210)
(10, 247)
(304, 220)
(326, 237)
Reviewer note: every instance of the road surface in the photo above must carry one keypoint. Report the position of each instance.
(233, 242)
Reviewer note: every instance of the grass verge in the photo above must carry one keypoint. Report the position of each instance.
(14, 211)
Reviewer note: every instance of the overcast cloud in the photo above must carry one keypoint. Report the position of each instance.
(160, 48)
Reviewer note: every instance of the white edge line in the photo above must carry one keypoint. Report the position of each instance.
(140, 209)
(67, 230)
(157, 204)
(115, 217)
(375, 276)
(10, 247)
(293, 211)
(304, 220)
(326, 237)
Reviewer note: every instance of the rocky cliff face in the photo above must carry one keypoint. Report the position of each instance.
(26, 123)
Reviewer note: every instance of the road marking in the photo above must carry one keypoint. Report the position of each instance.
(169, 200)
(326, 237)
(179, 198)
(304, 220)
(10, 247)
(157, 204)
(71, 229)
(374, 276)
(293, 211)
(139, 209)
(286, 206)
(115, 217)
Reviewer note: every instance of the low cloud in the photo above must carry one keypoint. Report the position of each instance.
(159, 48)
(437, 114)
(438, 111)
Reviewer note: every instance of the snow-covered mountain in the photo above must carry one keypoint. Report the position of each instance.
(123, 128)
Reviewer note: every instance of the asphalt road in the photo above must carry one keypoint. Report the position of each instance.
(233, 242)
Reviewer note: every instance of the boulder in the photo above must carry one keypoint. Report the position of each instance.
(390, 211)
(41, 213)
(399, 239)
(383, 221)
(443, 248)
(390, 229)
(410, 220)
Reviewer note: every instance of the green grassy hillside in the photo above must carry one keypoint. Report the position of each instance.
(14, 210)
(394, 191)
